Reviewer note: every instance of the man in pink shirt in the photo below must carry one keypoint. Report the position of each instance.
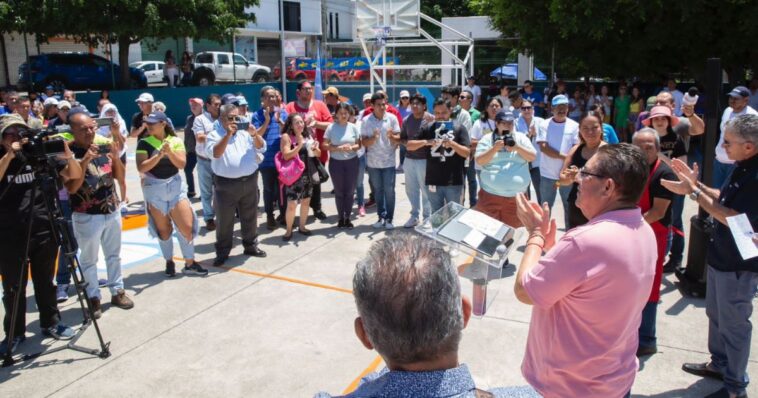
(590, 287)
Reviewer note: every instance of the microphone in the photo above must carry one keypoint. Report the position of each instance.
(690, 98)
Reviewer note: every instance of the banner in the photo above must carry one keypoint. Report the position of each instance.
(339, 64)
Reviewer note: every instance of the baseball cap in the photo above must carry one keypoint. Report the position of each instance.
(228, 99)
(64, 104)
(156, 117)
(50, 101)
(739, 91)
(196, 101)
(76, 110)
(331, 90)
(11, 120)
(658, 111)
(367, 97)
(560, 99)
(49, 87)
(651, 101)
(241, 100)
(145, 97)
(505, 115)
(405, 94)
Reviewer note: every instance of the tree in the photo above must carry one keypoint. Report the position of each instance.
(443, 8)
(128, 21)
(629, 37)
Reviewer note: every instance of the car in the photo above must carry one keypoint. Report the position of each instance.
(216, 66)
(74, 70)
(153, 70)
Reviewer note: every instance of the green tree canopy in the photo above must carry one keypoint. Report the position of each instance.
(630, 37)
(128, 21)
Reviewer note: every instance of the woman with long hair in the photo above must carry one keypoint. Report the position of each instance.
(186, 69)
(170, 70)
(160, 156)
(591, 138)
(342, 139)
(298, 140)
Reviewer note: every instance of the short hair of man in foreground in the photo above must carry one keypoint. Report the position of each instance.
(410, 310)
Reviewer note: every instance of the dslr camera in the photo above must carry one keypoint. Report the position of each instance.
(507, 139)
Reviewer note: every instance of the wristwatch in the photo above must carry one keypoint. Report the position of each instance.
(695, 194)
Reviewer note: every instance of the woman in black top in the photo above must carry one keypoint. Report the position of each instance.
(591, 137)
(297, 140)
(160, 156)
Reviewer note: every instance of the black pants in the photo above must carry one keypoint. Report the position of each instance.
(240, 194)
(188, 171)
(271, 191)
(42, 252)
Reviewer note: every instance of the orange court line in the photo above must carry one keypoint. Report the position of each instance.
(372, 367)
(133, 222)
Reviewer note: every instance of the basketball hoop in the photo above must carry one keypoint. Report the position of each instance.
(381, 33)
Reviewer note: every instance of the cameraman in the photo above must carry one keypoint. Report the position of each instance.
(16, 205)
(504, 156)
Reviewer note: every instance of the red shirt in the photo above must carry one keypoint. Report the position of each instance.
(391, 109)
(321, 113)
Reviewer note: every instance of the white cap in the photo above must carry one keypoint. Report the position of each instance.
(50, 101)
(367, 97)
(64, 104)
(145, 97)
(405, 93)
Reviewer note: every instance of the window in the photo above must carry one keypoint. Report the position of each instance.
(331, 25)
(337, 25)
(238, 60)
(291, 16)
(223, 59)
(99, 62)
(159, 66)
(204, 59)
(148, 67)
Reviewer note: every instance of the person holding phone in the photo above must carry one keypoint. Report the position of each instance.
(298, 140)
(160, 156)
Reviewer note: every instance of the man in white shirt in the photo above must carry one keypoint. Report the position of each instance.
(202, 126)
(555, 137)
(738, 105)
(678, 96)
(476, 90)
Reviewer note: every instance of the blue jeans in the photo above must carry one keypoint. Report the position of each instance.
(403, 150)
(647, 326)
(163, 195)
(93, 231)
(415, 172)
(188, 171)
(534, 173)
(205, 180)
(548, 193)
(675, 242)
(359, 199)
(63, 276)
(473, 188)
(439, 196)
(721, 172)
(271, 188)
(383, 181)
(728, 305)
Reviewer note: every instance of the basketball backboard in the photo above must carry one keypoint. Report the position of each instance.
(401, 16)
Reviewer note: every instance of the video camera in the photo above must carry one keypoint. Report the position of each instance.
(41, 145)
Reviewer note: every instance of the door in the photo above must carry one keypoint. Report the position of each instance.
(224, 69)
(244, 72)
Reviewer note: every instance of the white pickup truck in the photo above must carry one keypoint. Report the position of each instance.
(217, 66)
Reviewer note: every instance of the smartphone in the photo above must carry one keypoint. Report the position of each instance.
(103, 149)
(104, 121)
(243, 125)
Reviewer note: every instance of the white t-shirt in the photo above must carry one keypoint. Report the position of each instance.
(477, 94)
(559, 136)
(522, 127)
(381, 154)
(727, 116)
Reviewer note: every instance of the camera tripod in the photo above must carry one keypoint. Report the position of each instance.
(47, 181)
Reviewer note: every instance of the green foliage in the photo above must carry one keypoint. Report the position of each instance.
(444, 8)
(630, 37)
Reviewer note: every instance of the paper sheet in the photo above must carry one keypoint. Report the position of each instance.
(481, 222)
(742, 232)
(474, 238)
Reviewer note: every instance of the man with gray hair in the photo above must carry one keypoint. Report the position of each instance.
(411, 311)
(235, 169)
(732, 279)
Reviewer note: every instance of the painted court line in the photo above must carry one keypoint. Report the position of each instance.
(371, 368)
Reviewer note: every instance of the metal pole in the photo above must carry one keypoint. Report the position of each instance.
(28, 64)
(283, 67)
(113, 72)
(234, 64)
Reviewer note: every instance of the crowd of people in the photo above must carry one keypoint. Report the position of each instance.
(496, 158)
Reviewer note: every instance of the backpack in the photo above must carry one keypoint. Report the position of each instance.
(289, 170)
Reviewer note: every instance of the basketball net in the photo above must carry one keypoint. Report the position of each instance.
(381, 33)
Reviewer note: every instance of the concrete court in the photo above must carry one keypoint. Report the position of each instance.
(283, 326)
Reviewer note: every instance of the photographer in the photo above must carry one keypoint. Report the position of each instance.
(95, 204)
(17, 203)
(504, 156)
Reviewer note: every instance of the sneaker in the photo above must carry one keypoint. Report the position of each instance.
(16, 341)
(170, 268)
(671, 266)
(191, 194)
(341, 223)
(271, 223)
(61, 293)
(412, 222)
(194, 269)
(59, 332)
(97, 309)
(370, 203)
(349, 224)
(121, 300)
(102, 282)
(219, 261)
(320, 215)
(210, 225)
(378, 224)
(399, 168)
(281, 220)
(388, 225)
(362, 211)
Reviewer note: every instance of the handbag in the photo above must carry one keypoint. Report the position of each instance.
(317, 171)
(289, 171)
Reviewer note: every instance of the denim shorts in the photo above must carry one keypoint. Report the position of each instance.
(163, 194)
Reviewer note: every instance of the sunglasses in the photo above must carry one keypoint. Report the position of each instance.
(584, 174)
(405, 98)
(232, 118)
(526, 108)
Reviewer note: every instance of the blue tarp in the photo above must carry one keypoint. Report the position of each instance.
(509, 71)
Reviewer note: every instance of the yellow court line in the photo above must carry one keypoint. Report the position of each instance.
(133, 222)
(371, 368)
